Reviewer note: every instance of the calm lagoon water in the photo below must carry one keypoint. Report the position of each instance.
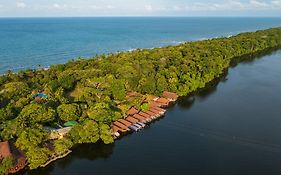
(230, 128)
(29, 42)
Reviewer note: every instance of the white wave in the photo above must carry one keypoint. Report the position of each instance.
(131, 50)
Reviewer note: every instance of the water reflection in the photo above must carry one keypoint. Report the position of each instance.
(223, 137)
(86, 151)
(249, 59)
(210, 88)
(89, 151)
(218, 122)
(186, 102)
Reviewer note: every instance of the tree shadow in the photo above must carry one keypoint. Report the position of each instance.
(250, 58)
(85, 151)
(102, 151)
(185, 103)
(210, 88)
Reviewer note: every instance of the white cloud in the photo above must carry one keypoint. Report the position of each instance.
(199, 6)
(95, 7)
(220, 6)
(276, 3)
(110, 7)
(148, 7)
(259, 4)
(176, 8)
(234, 5)
(151, 8)
(21, 5)
(60, 6)
(57, 6)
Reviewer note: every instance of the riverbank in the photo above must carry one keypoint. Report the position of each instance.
(94, 93)
(151, 116)
(54, 158)
(155, 115)
(201, 128)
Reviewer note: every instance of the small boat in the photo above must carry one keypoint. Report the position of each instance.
(142, 124)
(116, 134)
(137, 125)
(134, 128)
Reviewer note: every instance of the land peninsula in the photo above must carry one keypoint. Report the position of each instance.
(45, 112)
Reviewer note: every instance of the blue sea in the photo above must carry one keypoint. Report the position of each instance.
(29, 42)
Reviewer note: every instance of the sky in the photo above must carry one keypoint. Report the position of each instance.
(71, 8)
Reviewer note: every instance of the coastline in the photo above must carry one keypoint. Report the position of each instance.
(163, 44)
(233, 59)
(235, 62)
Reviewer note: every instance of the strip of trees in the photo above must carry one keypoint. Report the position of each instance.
(93, 91)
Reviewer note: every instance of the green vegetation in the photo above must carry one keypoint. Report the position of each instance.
(5, 165)
(93, 91)
(67, 112)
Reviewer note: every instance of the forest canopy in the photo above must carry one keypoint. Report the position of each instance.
(92, 92)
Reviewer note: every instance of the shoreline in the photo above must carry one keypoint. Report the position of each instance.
(140, 116)
(109, 155)
(172, 103)
(76, 58)
(56, 158)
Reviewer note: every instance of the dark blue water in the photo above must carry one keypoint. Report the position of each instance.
(232, 127)
(29, 42)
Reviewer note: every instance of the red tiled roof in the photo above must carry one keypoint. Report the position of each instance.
(126, 123)
(163, 101)
(8, 149)
(38, 99)
(116, 129)
(5, 150)
(132, 111)
(132, 120)
(155, 111)
(144, 114)
(154, 103)
(155, 97)
(157, 108)
(170, 95)
(120, 125)
(139, 117)
(152, 114)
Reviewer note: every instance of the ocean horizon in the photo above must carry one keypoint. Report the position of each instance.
(27, 42)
